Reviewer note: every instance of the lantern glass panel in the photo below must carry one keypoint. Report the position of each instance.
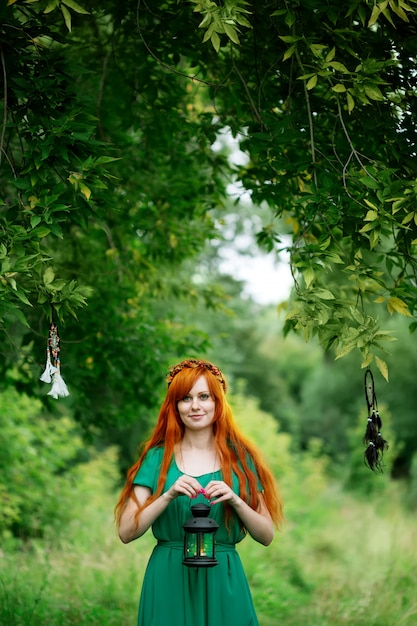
(190, 545)
(208, 545)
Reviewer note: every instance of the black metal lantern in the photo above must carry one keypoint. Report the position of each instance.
(199, 538)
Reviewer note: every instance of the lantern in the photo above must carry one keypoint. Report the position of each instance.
(199, 538)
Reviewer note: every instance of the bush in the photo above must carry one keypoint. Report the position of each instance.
(37, 459)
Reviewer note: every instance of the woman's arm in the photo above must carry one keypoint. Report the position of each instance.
(130, 529)
(258, 523)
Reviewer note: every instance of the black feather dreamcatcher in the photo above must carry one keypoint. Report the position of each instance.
(376, 444)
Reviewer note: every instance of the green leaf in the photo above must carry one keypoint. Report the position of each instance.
(42, 231)
(67, 17)
(85, 190)
(22, 297)
(374, 238)
(231, 33)
(324, 294)
(215, 40)
(308, 276)
(290, 18)
(338, 67)
(382, 366)
(369, 182)
(12, 282)
(242, 21)
(289, 38)
(387, 14)
(312, 82)
(408, 218)
(399, 11)
(34, 220)
(331, 55)
(397, 204)
(367, 228)
(75, 7)
(350, 102)
(369, 203)
(289, 52)
(376, 12)
(339, 88)
(373, 92)
(317, 48)
(48, 276)
(51, 6)
(371, 216)
(335, 258)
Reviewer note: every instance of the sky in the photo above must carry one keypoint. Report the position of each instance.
(266, 281)
(267, 278)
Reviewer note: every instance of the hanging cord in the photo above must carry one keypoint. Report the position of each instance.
(376, 443)
(52, 371)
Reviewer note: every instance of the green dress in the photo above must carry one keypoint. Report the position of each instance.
(176, 595)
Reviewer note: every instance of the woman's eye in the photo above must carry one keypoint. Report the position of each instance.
(204, 396)
(186, 398)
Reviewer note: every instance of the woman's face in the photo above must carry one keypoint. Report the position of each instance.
(196, 409)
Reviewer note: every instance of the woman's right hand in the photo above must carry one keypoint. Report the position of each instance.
(184, 486)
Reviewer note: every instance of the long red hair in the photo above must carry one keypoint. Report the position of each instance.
(236, 452)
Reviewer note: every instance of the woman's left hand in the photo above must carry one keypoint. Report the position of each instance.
(217, 491)
(257, 522)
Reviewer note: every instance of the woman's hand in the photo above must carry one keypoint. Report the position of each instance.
(257, 522)
(131, 528)
(217, 491)
(184, 486)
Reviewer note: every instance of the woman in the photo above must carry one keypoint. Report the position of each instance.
(197, 451)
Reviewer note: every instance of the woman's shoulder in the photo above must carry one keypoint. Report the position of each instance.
(154, 455)
(149, 467)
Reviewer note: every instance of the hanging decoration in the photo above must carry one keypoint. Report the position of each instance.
(376, 443)
(52, 372)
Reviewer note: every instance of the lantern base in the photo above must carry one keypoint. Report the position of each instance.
(200, 562)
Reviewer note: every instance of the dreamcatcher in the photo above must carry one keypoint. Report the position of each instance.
(376, 443)
(52, 372)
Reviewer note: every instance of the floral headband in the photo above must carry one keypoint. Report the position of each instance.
(194, 364)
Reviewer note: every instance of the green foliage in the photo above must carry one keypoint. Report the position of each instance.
(222, 19)
(322, 107)
(326, 102)
(107, 190)
(110, 182)
(332, 398)
(111, 191)
(37, 455)
(53, 169)
(358, 476)
(337, 561)
(411, 491)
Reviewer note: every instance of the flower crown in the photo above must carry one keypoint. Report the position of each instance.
(194, 364)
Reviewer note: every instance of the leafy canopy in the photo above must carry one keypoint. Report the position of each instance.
(109, 180)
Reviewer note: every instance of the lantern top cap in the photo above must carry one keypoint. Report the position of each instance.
(200, 510)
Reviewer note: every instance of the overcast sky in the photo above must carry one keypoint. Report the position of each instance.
(267, 281)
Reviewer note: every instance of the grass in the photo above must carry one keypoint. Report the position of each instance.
(355, 565)
(338, 561)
